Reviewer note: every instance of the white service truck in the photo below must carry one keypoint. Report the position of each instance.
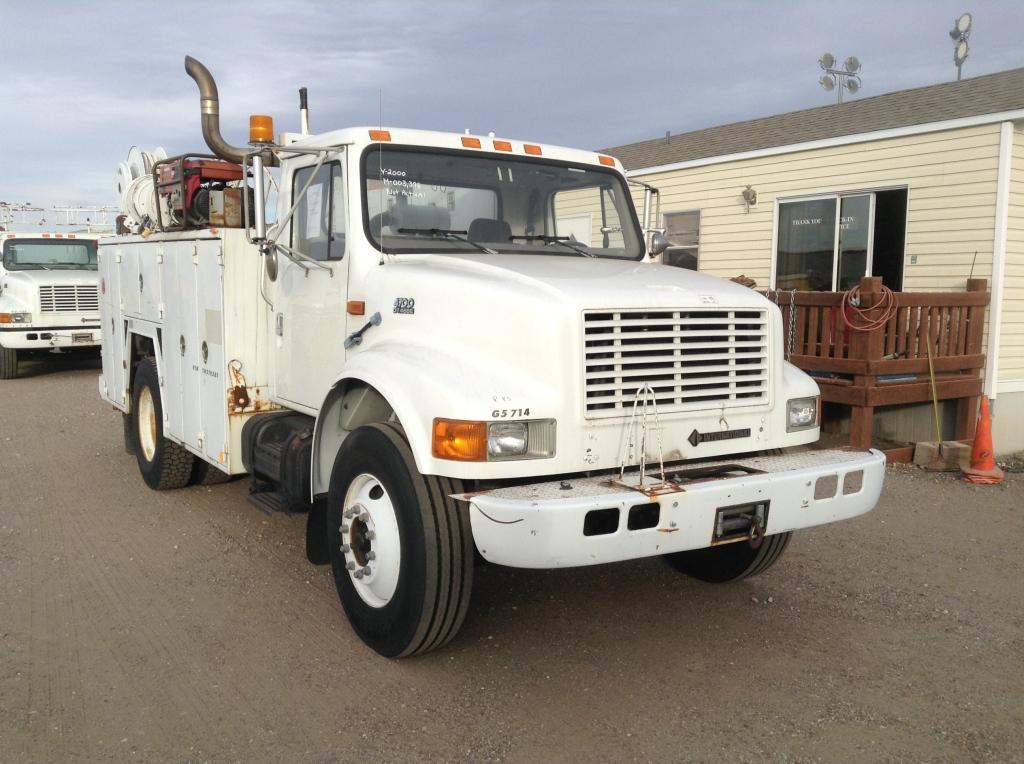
(49, 296)
(450, 344)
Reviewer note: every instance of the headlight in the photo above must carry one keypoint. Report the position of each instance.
(801, 413)
(466, 441)
(15, 318)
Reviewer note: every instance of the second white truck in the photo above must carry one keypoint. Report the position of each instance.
(451, 344)
(49, 296)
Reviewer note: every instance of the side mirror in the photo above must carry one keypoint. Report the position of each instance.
(659, 243)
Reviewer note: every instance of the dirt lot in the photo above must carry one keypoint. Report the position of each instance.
(189, 626)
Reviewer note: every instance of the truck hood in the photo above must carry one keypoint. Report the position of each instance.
(581, 282)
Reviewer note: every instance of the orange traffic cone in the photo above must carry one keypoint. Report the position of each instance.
(983, 467)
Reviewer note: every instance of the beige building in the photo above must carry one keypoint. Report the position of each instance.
(922, 187)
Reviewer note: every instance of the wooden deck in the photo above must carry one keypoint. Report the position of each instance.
(888, 366)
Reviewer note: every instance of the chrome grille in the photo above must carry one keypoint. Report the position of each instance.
(692, 359)
(68, 298)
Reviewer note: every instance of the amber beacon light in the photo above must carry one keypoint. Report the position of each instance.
(261, 128)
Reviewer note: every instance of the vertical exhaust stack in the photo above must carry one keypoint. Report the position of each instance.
(209, 105)
(303, 112)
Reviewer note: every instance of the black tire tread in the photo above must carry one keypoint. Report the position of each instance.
(8, 363)
(452, 571)
(204, 473)
(720, 564)
(172, 462)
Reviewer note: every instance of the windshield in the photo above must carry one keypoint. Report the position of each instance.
(48, 254)
(430, 200)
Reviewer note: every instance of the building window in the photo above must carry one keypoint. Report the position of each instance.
(829, 243)
(683, 232)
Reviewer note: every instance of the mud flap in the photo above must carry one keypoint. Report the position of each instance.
(316, 536)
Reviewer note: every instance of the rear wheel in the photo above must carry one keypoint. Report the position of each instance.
(401, 550)
(8, 363)
(163, 463)
(730, 562)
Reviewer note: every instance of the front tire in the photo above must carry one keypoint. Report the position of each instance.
(163, 463)
(730, 562)
(8, 363)
(401, 549)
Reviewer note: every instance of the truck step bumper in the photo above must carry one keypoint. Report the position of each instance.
(593, 520)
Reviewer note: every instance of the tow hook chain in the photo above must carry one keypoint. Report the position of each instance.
(756, 534)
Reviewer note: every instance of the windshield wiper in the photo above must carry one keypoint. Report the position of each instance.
(565, 241)
(445, 233)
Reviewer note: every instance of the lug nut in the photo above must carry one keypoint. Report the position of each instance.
(344, 529)
(371, 535)
(346, 548)
(359, 574)
(351, 566)
(371, 555)
(365, 517)
(366, 571)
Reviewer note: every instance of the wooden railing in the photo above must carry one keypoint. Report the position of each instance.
(889, 365)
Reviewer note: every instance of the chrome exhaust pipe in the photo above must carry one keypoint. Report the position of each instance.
(209, 106)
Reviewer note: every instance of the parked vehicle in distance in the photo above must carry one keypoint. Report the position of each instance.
(449, 343)
(49, 298)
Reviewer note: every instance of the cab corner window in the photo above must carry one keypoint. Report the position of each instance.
(318, 227)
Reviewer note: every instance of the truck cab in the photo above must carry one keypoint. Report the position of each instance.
(49, 296)
(450, 345)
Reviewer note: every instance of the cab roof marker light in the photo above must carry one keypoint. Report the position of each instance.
(531, 148)
(502, 146)
(470, 143)
(380, 135)
(605, 160)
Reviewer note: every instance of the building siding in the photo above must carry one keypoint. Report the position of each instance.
(1011, 345)
(951, 182)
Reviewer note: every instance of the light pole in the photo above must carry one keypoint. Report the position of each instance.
(837, 79)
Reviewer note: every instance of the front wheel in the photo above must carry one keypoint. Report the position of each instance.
(730, 562)
(401, 549)
(8, 363)
(163, 463)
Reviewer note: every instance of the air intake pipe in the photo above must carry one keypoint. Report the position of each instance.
(209, 106)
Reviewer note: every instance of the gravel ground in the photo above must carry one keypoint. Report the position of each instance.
(188, 626)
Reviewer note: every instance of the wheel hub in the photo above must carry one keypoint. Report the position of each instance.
(370, 541)
(146, 417)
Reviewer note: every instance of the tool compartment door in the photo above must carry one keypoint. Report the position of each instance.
(112, 347)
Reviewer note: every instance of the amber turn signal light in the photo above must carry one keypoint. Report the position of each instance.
(470, 143)
(460, 440)
(607, 161)
(380, 135)
(261, 128)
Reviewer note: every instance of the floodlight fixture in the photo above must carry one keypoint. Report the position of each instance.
(958, 34)
(838, 79)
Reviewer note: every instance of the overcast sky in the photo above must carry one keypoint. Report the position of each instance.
(83, 82)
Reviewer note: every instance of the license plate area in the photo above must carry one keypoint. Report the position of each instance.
(81, 338)
(740, 522)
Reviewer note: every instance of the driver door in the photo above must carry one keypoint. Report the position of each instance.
(310, 298)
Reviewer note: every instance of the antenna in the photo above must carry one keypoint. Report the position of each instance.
(958, 34)
(838, 79)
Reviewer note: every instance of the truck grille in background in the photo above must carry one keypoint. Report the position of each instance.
(692, 359)
(68, 299)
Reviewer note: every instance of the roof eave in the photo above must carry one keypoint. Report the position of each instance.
(843, 140)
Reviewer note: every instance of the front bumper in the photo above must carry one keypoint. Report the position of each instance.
(542, 525)
(47, 337)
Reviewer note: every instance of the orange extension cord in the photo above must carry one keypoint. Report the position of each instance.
(857, 317)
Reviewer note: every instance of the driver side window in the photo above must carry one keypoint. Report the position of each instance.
(318, 226)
